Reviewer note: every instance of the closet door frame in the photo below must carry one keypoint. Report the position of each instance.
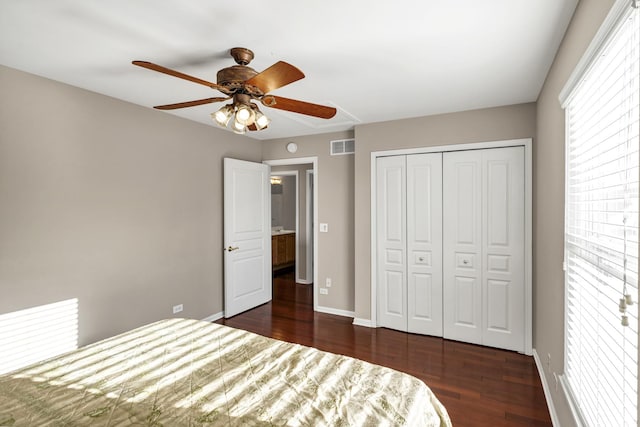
(528, 220)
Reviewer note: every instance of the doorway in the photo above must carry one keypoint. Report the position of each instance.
(285, 222)
(293, 214)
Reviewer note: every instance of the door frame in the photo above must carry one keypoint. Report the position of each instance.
(310, 219)
(314, 161)
(528, 219)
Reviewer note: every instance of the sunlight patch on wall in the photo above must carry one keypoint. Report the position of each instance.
(38, 333)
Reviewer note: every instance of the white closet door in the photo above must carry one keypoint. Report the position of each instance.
(503, 304)
(462, 246)
(391, 242)
(424, 243)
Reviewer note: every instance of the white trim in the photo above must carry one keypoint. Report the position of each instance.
(528, 240)
(453, 147)
(300, 161)
(336, 311)
(575, 412)
(214, 317)
(291, 161)
(614, 19)
(528, 247)
(373, 310)
(310, 190)
(547, 392)
(363, 322)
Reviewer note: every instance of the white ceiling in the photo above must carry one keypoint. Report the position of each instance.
(373, 60)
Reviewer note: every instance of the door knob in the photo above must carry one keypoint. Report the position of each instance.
(231, 248)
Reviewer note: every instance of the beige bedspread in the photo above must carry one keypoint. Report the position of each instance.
(181, 372)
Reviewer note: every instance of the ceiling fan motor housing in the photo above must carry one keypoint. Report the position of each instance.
(233, 78)
(235, 74)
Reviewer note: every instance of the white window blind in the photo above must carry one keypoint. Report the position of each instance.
(601, 232)
(37, 333)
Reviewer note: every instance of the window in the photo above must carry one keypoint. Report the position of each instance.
(601, 226)
(37, 333)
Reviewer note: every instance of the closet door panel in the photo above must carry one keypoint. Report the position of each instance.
(462, 246)
(503, 247)
(424, 243)
(391, 241)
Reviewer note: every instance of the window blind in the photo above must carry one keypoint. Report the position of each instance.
(37, 333)
(601, 232)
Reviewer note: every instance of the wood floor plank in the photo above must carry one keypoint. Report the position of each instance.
(479, 386)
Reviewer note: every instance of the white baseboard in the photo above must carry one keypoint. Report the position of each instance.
(363, 322)
(214, 317)
(547, 391)
(335, 311)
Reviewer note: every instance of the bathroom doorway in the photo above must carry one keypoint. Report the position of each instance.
(292, 222)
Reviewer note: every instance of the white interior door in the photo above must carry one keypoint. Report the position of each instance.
(484, 300)
(391, 242)
(462, 246)
(503, 237)
(424, 243)
(247, 236)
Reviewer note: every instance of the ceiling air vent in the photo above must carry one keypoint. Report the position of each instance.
(342, 146)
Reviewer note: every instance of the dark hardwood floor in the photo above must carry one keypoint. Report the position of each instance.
(479, 386)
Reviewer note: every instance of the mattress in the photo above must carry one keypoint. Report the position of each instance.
(182, 372)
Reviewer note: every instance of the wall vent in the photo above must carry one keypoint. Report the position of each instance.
(342, 146)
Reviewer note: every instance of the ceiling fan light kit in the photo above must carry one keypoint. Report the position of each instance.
(245, 114)
(244, 84)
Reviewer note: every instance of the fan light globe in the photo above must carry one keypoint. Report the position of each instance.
(238, 127)
(244, 115)
(222, 116)
(262, 121)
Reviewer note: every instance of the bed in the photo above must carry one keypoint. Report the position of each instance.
(182, 372)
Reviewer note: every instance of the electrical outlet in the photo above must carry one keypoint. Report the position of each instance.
(328, 282)
(324, 228)
(324, 291)
(177, 308)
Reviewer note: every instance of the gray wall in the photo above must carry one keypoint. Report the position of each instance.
(117, 205)
(335, 207)
(548, 200)
(283, 204)
(491, 124)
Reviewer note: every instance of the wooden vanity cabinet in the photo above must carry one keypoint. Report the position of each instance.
(283, 250)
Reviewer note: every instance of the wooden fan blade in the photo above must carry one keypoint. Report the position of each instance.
(278, 75)
(164, 70)
(300, 107)
(190, 103)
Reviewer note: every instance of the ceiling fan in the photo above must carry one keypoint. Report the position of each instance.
(243, 84)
